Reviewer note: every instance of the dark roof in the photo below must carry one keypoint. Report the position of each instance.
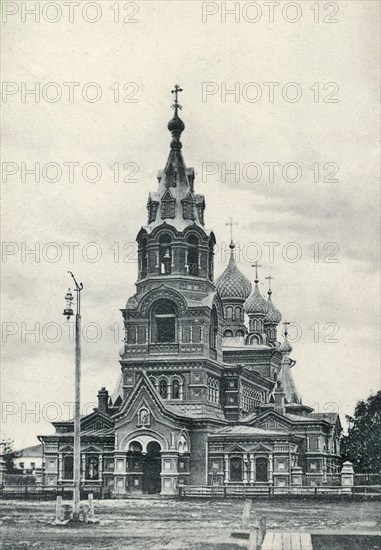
(101, 432)
(36, 450)
(328, 417)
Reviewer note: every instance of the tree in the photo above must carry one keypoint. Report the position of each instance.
(362, 445)
(8, 454)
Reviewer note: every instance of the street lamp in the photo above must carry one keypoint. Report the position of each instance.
(68, 312)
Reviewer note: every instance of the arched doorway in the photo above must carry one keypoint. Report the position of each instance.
(261, 469)
(151, 482)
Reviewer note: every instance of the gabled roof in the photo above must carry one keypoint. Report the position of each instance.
(34, 451)
(145, 382)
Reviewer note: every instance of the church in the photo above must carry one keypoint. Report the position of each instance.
(206, 395)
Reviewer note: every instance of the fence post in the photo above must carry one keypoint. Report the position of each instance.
(59, 509)
(347, 477)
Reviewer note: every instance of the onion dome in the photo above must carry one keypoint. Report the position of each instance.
(273, 315)
(176, 124)
(232, 283)
(256, 304)
(285, 346)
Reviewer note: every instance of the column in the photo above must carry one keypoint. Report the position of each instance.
(226, 470)
(252, 469)
(271, 480)
(245, 467)
(83, 467)
(100, 467)
(60, 467)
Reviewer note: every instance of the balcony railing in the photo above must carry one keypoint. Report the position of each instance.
(164, 349)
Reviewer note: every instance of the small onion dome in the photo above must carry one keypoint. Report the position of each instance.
(273, 315)
(176, 124)
(285, 346)
(256, 304)
(232, 283)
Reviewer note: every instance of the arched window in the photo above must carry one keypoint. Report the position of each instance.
(163, 389)
(175, 389)
(163, 322)
(165, 254)
(228, 333)
(236, 469)
(238, 313)
(68, 467)
(193, 259)
(92, 467)
(213, 390)
(143, 258)
(229, 313)
(213, 329)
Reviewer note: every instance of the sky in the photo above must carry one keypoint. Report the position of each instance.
(292, 156)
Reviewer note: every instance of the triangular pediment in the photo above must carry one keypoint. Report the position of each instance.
(145, 395)
(237, 449)
(261, 449)
(271, 420)
(96, 421)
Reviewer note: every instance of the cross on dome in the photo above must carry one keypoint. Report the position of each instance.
(256, 265)
(176, 104)
(231, 223)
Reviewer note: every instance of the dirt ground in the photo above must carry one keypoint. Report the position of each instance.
(145, 524)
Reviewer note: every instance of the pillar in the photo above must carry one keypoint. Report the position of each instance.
(296, 476)
(271, 469)
(347, 477)
(100, 467)
(252, 469)
(169, 472)
(226, 469)
(60, 467)
(83, 467)
(245, 468)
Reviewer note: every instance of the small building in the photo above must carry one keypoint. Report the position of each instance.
(30, 459)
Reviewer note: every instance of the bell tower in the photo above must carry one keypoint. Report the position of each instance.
(174, 320)
(175, 243)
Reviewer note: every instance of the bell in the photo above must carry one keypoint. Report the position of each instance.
(68, 312)
(167, 255)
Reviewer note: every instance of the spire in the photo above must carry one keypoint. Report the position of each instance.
(176, 200)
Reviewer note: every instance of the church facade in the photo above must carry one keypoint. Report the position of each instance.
(206, 394)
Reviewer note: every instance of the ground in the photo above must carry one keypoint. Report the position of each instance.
(156, 524)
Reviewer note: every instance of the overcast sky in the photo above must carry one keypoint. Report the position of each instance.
(331, 287)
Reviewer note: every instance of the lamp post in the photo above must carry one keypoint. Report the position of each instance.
(68, 312)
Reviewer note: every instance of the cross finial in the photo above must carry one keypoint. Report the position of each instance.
(176, 104)
(256, 265)
(285, 331)
(231, 223)
(269, 278)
